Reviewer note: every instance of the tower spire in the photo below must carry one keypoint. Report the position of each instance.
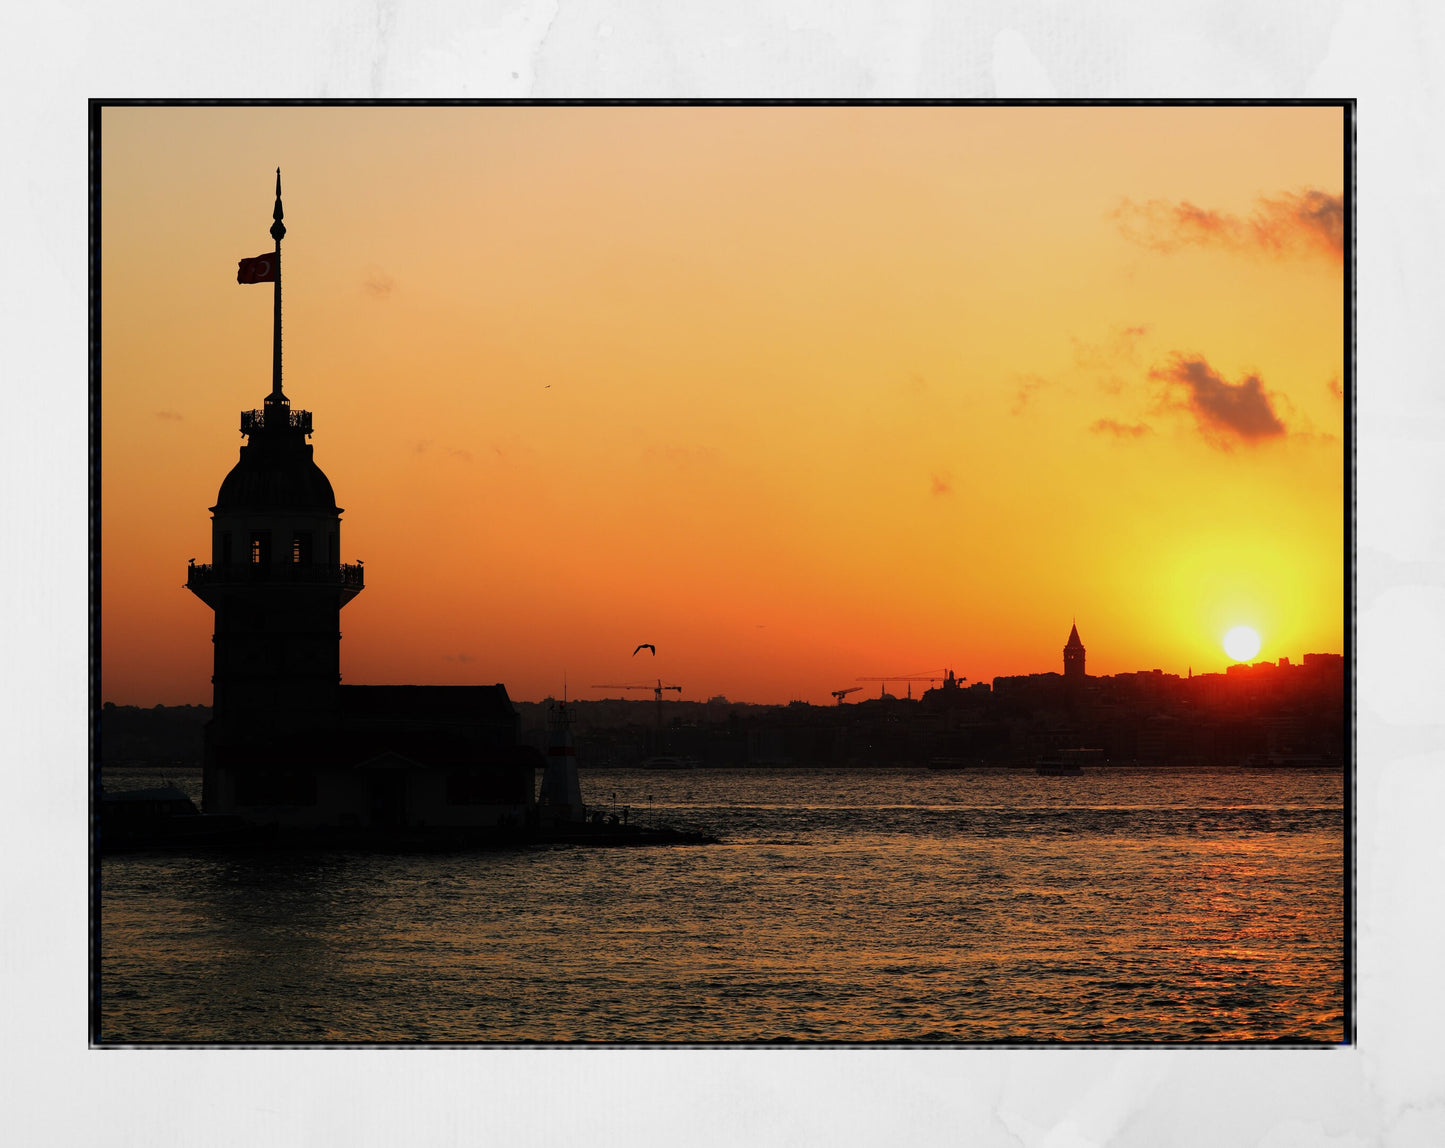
(1074, 654)
(278, 230)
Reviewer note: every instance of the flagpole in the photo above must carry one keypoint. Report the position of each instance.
(278, 229)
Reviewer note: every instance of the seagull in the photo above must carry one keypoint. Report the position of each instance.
(645, 646)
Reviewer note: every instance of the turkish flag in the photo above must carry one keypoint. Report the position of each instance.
(262, 269)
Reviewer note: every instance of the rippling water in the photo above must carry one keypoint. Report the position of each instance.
(843, 905)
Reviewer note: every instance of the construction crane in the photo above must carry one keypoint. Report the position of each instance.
(841, 694)
(929, 676)
(656, 690)
(657, 693)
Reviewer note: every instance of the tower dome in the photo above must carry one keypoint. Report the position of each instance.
(276, 504)
(276, 470)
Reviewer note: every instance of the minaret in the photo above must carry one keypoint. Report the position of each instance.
(1074, 656)
(277, 586)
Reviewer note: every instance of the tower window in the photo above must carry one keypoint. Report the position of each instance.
(226, 548)
(261, 547)
(301, 548)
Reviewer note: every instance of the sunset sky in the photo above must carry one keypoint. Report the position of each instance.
(798, 395)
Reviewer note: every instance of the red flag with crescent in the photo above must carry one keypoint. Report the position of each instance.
(262, 269)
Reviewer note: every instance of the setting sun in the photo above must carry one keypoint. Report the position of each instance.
(1241, 643)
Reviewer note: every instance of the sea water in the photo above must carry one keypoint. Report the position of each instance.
(842, 905)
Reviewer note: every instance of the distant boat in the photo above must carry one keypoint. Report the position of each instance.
(667, 761)
(1288, 761)
(1067, 762)
(952, 763)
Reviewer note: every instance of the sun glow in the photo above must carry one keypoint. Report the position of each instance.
(1241, 643)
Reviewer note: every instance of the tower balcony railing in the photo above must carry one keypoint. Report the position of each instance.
(349, 576)
(252, 421)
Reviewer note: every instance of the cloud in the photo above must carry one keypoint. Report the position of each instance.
(1029, 385)
(1224, 411)
(424, 446)
(942, 483)
(170, 416)
(1335, 388)
(459, 658)
(378, 284)
(1121, 430)
(1121, 346)
(1311, 215)
(512, 449)
(1308, 222)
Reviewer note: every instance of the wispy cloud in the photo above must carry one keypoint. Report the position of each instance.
(1225, 412)
(170, 416)
(1335, 388)
(1029, 386)
(1308, 222)
(915, 384)
(1120, 346)
(424, 446)
(1121, 430)
(512, 449)
(942, 483)
(378, 284)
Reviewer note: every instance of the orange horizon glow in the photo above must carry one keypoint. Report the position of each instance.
(797, 395)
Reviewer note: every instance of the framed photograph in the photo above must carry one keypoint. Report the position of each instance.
(731, 574)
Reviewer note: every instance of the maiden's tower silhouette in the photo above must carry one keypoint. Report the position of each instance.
(288, 744)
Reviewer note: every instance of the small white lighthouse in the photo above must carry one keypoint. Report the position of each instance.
(561, 796)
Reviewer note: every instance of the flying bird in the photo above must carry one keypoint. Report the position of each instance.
(645, 646)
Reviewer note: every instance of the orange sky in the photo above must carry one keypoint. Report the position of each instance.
(796, 394)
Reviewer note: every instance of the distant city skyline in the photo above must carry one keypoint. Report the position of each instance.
(796, 396)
